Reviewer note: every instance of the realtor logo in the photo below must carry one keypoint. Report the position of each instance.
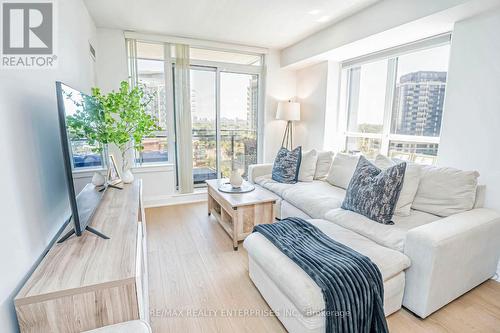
(27, 34)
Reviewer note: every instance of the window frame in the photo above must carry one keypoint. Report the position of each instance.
(220, 67)
(392, 57)
(133, 76)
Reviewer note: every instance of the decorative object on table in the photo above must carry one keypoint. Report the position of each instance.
(98, 179)
(236, 180)
(113, 173)
(373, 192)
(128, 177)
(286, 165)
(245, 187)
(289, 111)
(118, 118)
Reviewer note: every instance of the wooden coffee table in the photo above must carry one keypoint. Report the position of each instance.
(238, 213)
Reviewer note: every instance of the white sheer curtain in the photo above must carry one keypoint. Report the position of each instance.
(182, 98)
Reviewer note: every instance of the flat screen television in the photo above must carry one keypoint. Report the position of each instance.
(83, 204)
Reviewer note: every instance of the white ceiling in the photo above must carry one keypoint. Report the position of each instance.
(266, 23)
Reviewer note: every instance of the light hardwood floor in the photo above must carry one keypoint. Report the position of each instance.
(197, 283)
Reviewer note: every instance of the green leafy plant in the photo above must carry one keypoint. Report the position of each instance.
(118, 118)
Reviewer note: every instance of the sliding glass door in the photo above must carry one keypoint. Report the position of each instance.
(224, 108)
(238, 121)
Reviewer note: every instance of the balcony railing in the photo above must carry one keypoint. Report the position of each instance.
(238, 149)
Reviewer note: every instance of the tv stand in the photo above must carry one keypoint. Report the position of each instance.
(90, 229)
(88, 282)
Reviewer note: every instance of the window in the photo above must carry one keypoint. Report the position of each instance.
(151, 75)
(224, 91)
(204, 118)
(224, 110)
(395, 105)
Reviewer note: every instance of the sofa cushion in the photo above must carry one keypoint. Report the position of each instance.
(308, 166)
(323, 164)
(286, 165)
(277, 187)
(342, 169)
(391, 236)
(373, 192)
(316, 199)
(297, 285)
(445, 191)
(410, 183)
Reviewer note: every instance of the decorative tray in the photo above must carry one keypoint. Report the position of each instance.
(228, 188)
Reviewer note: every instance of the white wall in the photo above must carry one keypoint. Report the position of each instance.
(471, 120)
(111, 59)
(318, 94)
(281, 85)
(33, 199)
(312, 86)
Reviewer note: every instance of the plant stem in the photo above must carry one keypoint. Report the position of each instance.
(124, 149)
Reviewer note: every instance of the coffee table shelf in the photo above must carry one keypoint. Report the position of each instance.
(238, 213)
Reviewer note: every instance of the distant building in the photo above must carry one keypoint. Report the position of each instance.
(154, 86)
(252, 104)
(418, 104)
(194, 101)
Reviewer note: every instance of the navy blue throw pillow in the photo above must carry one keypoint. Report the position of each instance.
(373, 192)
(286, 165)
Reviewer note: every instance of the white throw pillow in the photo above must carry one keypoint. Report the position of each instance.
(342, 169)
(308, 166)
(445, 191)
(323, 164)
(410, 183)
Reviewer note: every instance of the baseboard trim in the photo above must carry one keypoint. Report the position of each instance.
(496, 277)
(175, 199)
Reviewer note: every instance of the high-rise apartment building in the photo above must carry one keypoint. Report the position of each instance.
(418, 104)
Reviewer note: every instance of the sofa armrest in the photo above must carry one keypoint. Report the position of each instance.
(449, 257)
(257, 170)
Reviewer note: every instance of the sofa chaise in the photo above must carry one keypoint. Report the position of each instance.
(441, 245)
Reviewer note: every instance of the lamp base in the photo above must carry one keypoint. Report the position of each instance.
(287, 141)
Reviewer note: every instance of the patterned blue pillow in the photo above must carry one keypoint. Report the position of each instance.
(286, 165)
(373, 192)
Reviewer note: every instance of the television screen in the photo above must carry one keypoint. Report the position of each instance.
(79, 155)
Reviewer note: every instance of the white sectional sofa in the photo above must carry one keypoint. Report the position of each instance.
(429, 257)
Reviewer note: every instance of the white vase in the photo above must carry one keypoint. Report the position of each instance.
(128, 177)
(235, 180)
(98, 179)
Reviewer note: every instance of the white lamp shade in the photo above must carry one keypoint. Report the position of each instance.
(288, 111)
